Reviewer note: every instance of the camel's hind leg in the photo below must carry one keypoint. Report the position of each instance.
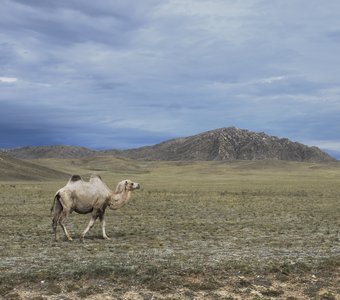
(54, 226)
(62, 218)
(57, 210)
(60, 214)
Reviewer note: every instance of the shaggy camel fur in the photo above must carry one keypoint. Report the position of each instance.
(88, 197)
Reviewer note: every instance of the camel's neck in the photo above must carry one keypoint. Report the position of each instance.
(120, 199)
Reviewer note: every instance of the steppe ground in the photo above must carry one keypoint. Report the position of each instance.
(205, 230)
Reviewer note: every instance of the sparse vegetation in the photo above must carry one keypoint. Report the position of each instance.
(238, 230)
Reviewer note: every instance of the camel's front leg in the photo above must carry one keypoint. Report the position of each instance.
(103, 229)
(89, 226)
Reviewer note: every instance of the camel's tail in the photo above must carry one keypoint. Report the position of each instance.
(56, 198)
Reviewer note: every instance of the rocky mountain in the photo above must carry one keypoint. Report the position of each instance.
(16, 169)
(228, 144)
(59, 151)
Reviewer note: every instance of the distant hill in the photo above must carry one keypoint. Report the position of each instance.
(220, 144)
(228, 144)
(15, 169)
(59, 151)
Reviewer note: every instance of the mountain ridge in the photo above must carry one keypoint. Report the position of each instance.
(228, 143)
(224, 144)
(56, 151)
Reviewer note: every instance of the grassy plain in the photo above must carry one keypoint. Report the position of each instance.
(205, 230)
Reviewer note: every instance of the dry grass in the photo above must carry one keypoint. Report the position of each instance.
(245, 230)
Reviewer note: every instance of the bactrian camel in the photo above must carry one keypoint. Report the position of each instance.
(88, 197)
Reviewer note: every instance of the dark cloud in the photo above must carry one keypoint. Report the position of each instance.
(7, 55)
(27, 125)
(68, 22)
(334, 35)
(107, 85)
(286, 86)
(119, 9)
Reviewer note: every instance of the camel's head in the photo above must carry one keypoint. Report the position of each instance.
(127, 185)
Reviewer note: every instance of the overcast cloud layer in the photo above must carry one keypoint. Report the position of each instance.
(122, 74)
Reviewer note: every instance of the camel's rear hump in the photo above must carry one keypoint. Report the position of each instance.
(75, 178)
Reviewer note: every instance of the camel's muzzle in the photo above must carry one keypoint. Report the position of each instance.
(136, 186)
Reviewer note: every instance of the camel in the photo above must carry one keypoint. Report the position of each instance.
(85, 197)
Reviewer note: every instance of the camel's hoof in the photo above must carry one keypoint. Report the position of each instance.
(106, 238)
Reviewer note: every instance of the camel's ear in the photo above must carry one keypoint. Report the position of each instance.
(120, 187)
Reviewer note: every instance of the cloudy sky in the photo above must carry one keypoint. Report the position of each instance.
(121, 74)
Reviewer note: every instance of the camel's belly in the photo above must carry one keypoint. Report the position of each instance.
(82, 211)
